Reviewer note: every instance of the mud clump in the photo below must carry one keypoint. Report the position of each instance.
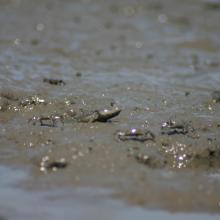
(208, 158)
(15, 101)
(215, 96)
(151, 161)
(9, 96)
(6, 100)
(32, 100)
(4, 105)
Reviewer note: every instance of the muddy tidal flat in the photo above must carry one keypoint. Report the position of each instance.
(109, 109)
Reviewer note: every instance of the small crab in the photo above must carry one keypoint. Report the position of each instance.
(134, 134)
(172, 127)
(56, 82)
(50, 121)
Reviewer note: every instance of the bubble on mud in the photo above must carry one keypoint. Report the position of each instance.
(133, 130)
(40, 27)
(210, 108)
(162, 18)
(139, 44)
(17, 41)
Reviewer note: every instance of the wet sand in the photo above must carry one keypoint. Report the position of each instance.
(64, 61)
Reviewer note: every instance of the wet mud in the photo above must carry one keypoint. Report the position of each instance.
(116, 94)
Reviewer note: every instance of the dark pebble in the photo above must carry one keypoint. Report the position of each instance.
(78, 74)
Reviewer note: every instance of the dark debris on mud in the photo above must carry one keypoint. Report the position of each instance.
(47, 165)
(55, 82)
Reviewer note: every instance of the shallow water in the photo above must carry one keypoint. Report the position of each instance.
(158, 61)
(81, 203)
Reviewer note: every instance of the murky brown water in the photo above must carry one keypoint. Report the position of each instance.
(158, 61)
